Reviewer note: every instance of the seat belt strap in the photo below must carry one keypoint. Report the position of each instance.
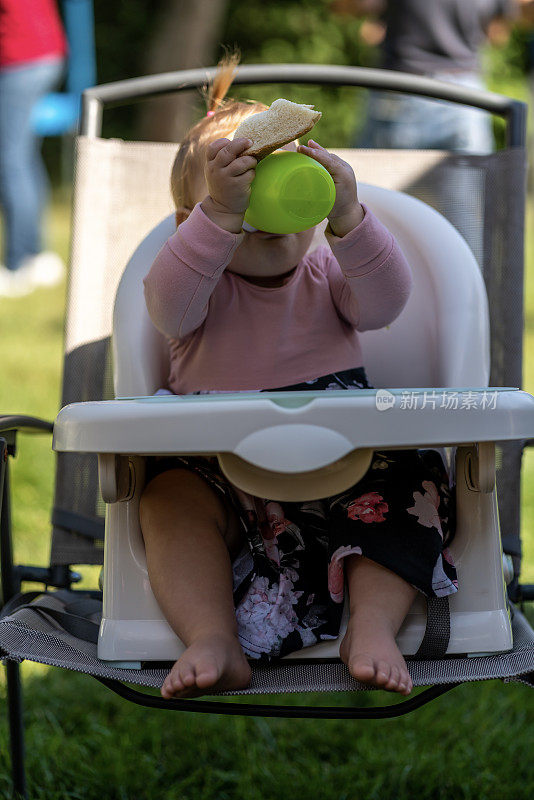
(438, 629)
(74, 619)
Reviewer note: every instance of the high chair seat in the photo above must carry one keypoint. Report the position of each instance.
(440, 342)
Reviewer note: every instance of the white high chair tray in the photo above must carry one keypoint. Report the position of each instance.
(258, 427)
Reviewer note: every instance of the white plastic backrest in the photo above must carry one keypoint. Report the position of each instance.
(140, 351)
(440, 339)
(442, 336)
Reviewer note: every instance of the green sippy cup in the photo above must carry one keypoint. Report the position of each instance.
(290, 193)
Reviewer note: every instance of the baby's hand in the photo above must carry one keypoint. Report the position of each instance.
(347, 212)
(229, 175)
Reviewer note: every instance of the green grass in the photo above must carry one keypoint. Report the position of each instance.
(83, 742)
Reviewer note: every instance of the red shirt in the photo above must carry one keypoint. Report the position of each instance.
(30, 30)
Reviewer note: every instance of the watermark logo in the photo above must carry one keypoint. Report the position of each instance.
(384, 400)
(449, 400)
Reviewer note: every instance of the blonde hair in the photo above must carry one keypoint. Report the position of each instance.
(222, 118)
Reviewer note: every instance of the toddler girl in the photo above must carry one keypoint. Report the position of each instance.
(238, 576)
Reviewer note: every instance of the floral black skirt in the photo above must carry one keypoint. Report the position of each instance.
(289, 576)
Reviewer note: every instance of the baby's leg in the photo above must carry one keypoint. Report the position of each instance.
(188, 532)
(379, 601)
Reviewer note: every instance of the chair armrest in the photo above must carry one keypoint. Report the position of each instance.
(20, 422)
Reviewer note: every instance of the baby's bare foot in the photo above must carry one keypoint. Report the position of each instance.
(372, 656)
(214, 662)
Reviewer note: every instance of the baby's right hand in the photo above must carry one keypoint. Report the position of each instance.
(229, 175)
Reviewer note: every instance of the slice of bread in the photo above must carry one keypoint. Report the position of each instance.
(280, 124)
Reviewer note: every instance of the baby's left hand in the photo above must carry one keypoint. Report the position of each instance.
(347, 211)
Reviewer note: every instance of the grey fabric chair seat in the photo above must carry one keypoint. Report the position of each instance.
(30, 633)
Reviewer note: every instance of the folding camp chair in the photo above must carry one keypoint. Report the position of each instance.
(113, 241)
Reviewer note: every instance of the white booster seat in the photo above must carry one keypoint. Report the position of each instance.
(430, 368)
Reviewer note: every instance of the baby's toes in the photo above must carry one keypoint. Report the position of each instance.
(186, 675)
(394, 679)
(405, 683)
(180, 678)
(207, 674)
(383, 673)
(166, 691)
(171, 685)
(362, 667)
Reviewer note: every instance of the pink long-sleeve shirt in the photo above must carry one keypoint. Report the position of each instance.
(227, 334)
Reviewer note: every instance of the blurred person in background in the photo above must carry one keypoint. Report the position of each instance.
(440, 39)
(32, 56)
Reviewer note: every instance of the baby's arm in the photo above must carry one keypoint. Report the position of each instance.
(370, 279)
(189, 266)
(374, 282)
(185, 273)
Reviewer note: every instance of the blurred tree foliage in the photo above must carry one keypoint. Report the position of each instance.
(283, 31)
(275, 31)
(296, 32)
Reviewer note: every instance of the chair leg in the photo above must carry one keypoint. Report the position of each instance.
(10, 586)
(16, 729)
